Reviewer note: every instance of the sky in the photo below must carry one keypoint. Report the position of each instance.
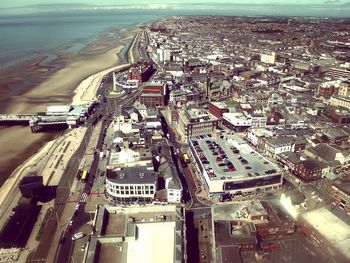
(20, 3)
(323, 8)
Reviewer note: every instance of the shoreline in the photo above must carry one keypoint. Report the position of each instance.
(58, 87)
(9, 189)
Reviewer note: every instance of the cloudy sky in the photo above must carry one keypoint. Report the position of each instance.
(329, 8)
(19, 3)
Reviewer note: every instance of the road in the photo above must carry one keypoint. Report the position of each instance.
(105, 114)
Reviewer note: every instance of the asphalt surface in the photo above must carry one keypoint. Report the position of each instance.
(105, 114)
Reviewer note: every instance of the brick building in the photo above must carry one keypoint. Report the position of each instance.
(309, 169)
(141, 71)
(341, 194)
(217, 108)
(153, 95)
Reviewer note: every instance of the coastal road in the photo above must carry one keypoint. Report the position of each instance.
(107, 109)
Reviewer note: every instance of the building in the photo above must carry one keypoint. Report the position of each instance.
(257, 136)
(141, 71)
(335, 136)
(129, 175)
(309, 170)
(328, 154)
(277, 145)
(31, 186)
(194, 122)
(174, 191)
(248, 226)
(327, 89)
(132, 235)
(338, 73)
(131, 184)
(343, 97)
(268, 57)
(231, 168)
(240, 121)
(340, 193)
(329, 227)
(153, 95)
(217, 108)
(152, 100)
(58, 110)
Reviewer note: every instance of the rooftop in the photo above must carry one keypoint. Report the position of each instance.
(324, 219)
(155, 243)
(219, 104)
(132, 175)
(238, 211)
(231, 159)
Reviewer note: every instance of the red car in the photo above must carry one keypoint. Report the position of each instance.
(218, 159)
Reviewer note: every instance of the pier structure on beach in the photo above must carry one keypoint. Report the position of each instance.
(55, 117)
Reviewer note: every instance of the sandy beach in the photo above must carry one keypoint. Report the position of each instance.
(57, 87)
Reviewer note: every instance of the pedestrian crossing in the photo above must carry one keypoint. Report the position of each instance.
(83, 198)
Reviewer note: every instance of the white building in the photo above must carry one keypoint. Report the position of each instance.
(125, 125)
(268, 58)
(174, 190)
(242, 120)
(274, 146)
(131, 184)
(231, 168)
(255, 135)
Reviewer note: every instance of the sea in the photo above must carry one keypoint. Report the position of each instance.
(25, 36)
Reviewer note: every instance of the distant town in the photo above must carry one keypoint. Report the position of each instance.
(223, 139)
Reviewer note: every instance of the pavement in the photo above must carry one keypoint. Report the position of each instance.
(44, 163)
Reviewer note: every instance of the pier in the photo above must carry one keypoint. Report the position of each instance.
(15, 119)
(56, 117)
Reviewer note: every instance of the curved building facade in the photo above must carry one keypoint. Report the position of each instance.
(131, 184)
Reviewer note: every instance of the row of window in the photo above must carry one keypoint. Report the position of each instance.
(131, 187)
(132, 192)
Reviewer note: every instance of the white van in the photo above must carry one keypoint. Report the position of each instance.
(77, 235)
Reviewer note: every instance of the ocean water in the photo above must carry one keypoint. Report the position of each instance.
(29, 35)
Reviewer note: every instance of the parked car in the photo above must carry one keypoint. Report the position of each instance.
(78, 235)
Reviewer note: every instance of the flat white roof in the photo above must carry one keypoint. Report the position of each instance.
(58, 108)
(154, 244)
(331, 227)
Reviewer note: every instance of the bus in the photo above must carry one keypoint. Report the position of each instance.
(84, 176)
(186, 159)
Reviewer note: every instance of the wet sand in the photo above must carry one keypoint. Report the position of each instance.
(38, 86)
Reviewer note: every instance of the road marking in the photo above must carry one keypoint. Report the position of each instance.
(83, 198)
